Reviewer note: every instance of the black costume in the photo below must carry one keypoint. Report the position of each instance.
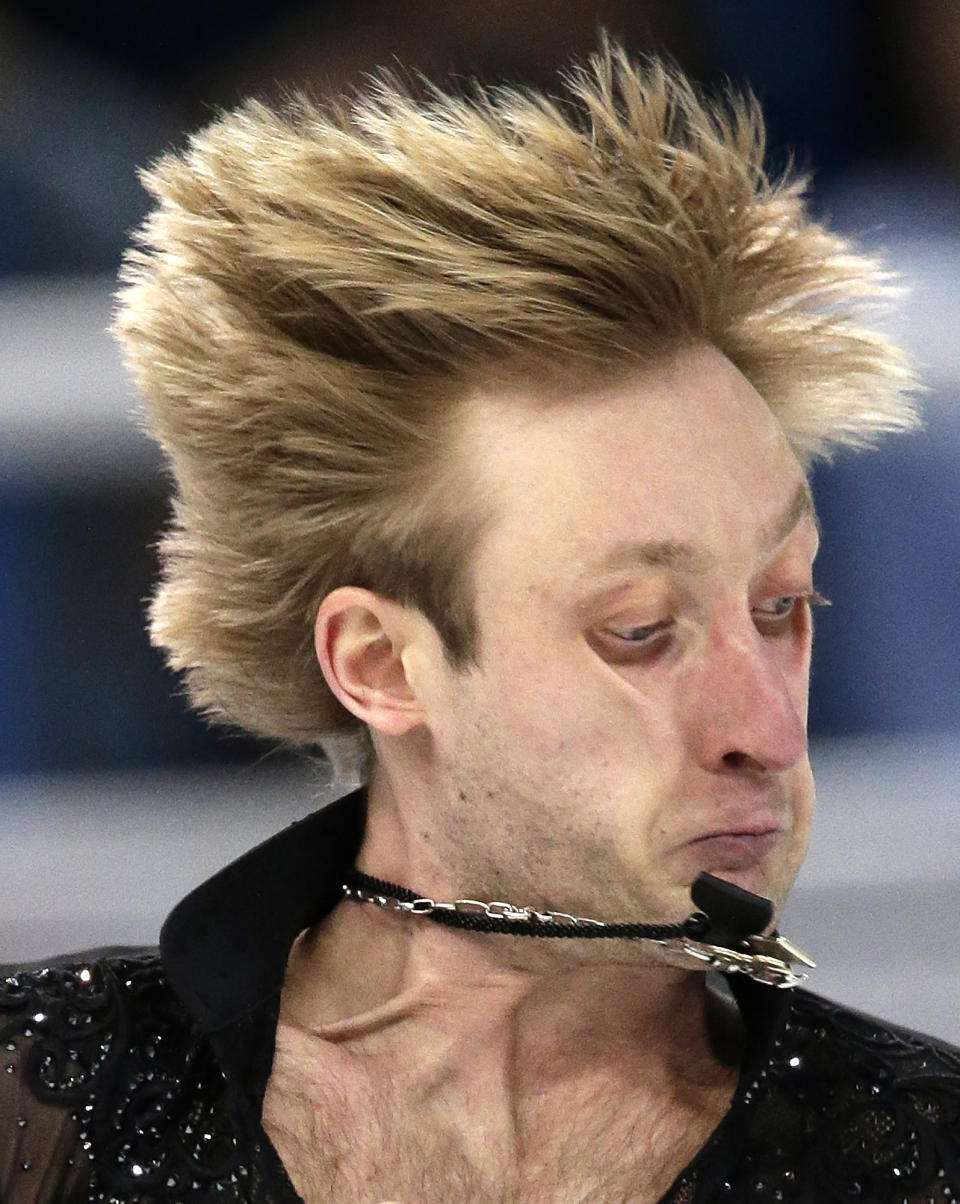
(139, 1076)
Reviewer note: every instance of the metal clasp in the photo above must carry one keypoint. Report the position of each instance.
(766, 961)
(469, 907)
(564, 917)
(498, 910)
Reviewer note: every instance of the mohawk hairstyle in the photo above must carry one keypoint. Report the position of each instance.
(318, 289)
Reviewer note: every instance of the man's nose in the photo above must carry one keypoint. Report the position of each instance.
(747, 712)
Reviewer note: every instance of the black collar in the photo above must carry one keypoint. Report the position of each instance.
(225, 945)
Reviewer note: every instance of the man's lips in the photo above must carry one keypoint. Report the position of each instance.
(732, 849)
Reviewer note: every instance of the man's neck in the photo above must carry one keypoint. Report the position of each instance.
(420, 1063)
(364, 970)
(363, 967)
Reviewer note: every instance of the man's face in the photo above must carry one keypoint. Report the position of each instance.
(639, 712)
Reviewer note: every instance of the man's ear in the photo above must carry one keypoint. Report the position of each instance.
(364, 646)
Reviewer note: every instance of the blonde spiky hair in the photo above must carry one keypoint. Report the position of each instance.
(317, 290)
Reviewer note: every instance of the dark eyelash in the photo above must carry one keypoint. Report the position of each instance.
(648, 631)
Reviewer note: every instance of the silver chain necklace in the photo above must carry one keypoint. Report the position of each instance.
(718, 941)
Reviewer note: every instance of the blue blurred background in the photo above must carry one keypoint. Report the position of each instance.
(865, 95)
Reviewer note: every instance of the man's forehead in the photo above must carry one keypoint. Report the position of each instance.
(682, 556)
(637, 473)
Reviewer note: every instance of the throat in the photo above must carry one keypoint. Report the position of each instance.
(500, 1089)
(458, 996)
(436, 1057)
(406, 1111)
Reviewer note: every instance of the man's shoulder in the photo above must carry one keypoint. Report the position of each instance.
(82, 1006)
(74, 1016)
(849, 1103)
(854, 1033)
(103, 1066)
(863, 1057)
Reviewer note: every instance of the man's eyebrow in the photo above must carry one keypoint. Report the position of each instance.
(684, 558)
(801, 507)
(656, 553)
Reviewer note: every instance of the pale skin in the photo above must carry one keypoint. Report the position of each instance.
(638, 715)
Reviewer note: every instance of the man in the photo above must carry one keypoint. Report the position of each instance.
(489, 420)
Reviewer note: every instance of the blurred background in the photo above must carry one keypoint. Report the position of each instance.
(113, 799)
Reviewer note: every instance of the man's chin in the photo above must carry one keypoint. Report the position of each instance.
(758, 864)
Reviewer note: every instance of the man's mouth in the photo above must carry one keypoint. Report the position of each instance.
(733, 850)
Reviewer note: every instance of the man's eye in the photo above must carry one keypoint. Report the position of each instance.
(784, 606)
(777, 608)
(624, 644)
(637, 635)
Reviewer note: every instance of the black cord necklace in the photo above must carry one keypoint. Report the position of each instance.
(477, 916)
(724, 935)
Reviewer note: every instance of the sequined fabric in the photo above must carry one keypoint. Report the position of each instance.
(142, 1112)
(845, 1109)
(108, 1094)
